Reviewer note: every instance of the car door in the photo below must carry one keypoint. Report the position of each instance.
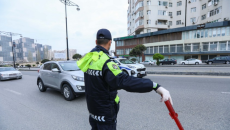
(45, 74)
(222, 60)
(54, 76)
(192, 61)
(217, 60)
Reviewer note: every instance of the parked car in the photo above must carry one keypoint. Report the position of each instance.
(9, 73)
(148, 62)
(220, 60)
(64, 76)
(168, 61)
(191, 62)
(131, 68)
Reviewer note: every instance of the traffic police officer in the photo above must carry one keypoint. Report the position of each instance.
(102, 80)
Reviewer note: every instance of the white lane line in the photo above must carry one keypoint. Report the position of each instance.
(225, 92)
(195, 76)
(12, 91)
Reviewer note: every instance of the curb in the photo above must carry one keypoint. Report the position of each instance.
(190, 73)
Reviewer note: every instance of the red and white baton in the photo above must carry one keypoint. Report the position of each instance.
(173, 114)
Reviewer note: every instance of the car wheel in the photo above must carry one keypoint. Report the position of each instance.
(227, 62)
(41, 86)
(183, 63)
(172, 63)
(209, 63)
(196, 63)
(67, 92)
(125, 72)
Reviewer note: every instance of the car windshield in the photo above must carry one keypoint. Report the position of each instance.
(69, 66)
(126, 61)
(7, 69)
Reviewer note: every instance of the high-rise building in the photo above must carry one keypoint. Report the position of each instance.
(144, 16)
(39, 52)
(6, 54)
(25, 50)
(47, 52)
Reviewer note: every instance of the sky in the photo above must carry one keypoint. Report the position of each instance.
(44, 21)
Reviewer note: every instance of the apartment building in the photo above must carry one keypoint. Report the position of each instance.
(144, 16)
(197, 41)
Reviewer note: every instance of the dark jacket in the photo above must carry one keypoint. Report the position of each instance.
(102, 80)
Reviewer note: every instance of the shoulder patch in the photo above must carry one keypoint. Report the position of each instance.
(114, 68)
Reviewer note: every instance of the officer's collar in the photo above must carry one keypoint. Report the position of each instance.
(102, 49)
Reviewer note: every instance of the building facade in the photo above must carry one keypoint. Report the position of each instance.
(198, 41)
(144, 16)
(6, 54)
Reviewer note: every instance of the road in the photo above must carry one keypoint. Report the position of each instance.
(188, 69)
(202, 103)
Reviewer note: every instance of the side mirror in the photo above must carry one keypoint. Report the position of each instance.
(55, 70)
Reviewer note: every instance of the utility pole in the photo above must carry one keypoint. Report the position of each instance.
(69, 3)
(11, 35)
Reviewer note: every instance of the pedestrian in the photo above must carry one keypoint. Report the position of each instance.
(103, 78)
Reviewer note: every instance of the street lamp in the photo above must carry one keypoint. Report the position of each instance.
(11, 35)
(69, 3)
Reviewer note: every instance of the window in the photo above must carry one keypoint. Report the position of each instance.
(162, 3)
(54, 66)
(170, 4)
(187, 47)
(160, 49)
(198, 33)
(166, 49)
(228, 45)
(151, 50)
(194, 34)
(156, 49)
(223, 31)
(178, 22)
(210, 32)
(201, 33)
(214, 32)
(206, 32)
(193, 20)
(203, 6)
(178, 12)
(173, 48)
(205, 46)
(193, 1)
(120, 52)
(203, 17)
(223, 46)
(215, 11)
(170, 23)
(193, 9)
(162, 12)
(148, 12)
(180, 48)
(149, 2)
(120, 43)
(161, 22)
(179, 3)
(148, 21)
(228, 32)
(140, 4)
(148, 30)
(47, 66)
(195, 47)
(218, 32)
(213, 46)
(170, 13)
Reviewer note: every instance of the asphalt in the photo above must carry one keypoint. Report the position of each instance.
(202, 103)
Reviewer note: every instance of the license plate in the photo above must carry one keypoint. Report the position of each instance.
(142, 72)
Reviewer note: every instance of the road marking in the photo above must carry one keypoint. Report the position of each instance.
(12, 91)
(225, 92)
(196, 76)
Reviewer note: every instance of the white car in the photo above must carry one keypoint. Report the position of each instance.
(191, 62)
(148, 62)
(131, 68)
(9, 73)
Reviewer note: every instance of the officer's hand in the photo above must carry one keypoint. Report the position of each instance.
(164, 94)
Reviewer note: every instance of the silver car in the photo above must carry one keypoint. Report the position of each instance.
(9, 73)
(64, 76)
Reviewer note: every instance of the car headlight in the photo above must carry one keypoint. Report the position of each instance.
(131, 66)
(78, 78)
(5, 74)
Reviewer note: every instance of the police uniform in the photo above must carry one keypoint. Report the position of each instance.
(103, 78)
